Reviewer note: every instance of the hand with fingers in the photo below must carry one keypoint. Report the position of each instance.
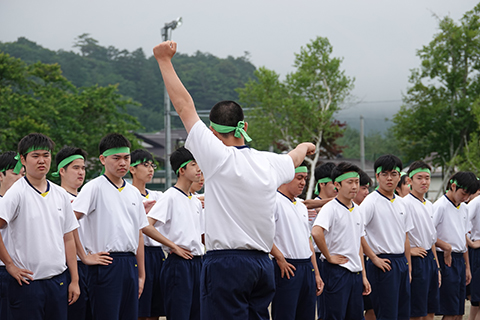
(337, 259)
(383, 264)
(165, 50)
(21, 275)
(418, 252)
(286, 269)
(73, 292)
(100, 258)
(184, 253)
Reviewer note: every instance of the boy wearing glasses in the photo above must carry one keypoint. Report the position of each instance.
(150, 304)
(386, 243)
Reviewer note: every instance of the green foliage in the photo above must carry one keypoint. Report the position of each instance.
(209, 79)
(37, 98)
(436, 119)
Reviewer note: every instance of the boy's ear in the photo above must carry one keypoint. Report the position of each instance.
(132, 169)
(102, 159)
(246, 126)
(23, 160)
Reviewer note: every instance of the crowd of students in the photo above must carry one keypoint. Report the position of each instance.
(117, 250)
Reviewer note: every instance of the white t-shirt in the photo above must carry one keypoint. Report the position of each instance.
(343, 232)
(178, 219)
(451, 223)
(4, 234)
(474, 218)
(37, 224)
(386, 223)
(114, 216)
(151, 195)
(81, 222)
(240, 188)
(424, 234)
(292, 232)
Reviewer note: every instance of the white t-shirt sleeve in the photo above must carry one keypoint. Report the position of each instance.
(142, 214)
(209, 152)
(9, 205)
(324, 218)
(437, 215)
(161, 210)
(367, 210)
(71, 222)
(86, 200)
(282, 165)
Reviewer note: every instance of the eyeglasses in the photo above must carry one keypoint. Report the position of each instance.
(150, 164)
(393, 174)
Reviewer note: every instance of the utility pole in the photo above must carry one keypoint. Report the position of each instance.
(362, 145)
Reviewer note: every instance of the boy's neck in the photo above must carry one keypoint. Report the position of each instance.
(287, 194)
(420, 196)
(38, 183)
(345, 201)
(69, 189)
(388, 194)
(184, 184)
(449, 195)
(118, 181)
(322, 195)
(140, 185)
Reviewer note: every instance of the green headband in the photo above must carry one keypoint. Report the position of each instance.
(183, 165)
(136, 163)
(380, 169)
(239, 131)
(323, 180)
(113, 151)
(456, 183)
(302, 169)
(346, 176)
(66, 161)
(414, 172)
(19, 164)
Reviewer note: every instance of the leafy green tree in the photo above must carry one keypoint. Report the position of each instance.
(301, 108)
(37, 98)
(436, 119)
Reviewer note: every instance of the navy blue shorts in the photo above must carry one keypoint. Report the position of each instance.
(452, 291)
(80, 310)
(320, 298)
(39, 300)
(424, 286)
(152, 300)
(390, 289)
(474, 255)
(343, 293)
(180, 280)
(113, 289)
(236, 285)
(295, 297)
(4, 281)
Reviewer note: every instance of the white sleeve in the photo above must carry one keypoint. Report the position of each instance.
(161, 210)
(86, 200)
(209, 152)
(324, 217)
(9, 205)
(143, 221)
(283, 166)
(437, 215)
(71, 222)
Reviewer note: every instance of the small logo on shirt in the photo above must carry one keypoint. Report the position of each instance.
(401, 213)
(59, 209)
(358, 223)
(133, 203)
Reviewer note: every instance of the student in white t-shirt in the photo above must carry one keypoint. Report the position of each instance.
(177, 216)
(338, 230)
(114, 218)
(425, 268)
(450, 218)
(7, 179)
(40, 223)
(297, 278)
(237, 276)
(150, 304)
(386, 243)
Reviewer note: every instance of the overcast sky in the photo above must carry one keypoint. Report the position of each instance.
(378, 39)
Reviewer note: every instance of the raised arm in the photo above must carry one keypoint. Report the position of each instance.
(181, 99)
(298, 154)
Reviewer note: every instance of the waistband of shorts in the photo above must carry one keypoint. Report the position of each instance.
(175, 256)
(121, 254)
(318, 255)
(454, 254)
(3, 268)
(153, 248)
(235, 252)
(391, 255)
(307, 260)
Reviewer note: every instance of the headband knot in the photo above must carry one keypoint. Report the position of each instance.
(239, 129)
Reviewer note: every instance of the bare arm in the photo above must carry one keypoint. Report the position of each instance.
(408, 256)
(319, 237)
(318, 278)
(157, 236)
(383, 264)
(286, 268)
(316, 203)
(447, 251)
(181, 99)
(71, 257)
(140, 263)
(298, 154)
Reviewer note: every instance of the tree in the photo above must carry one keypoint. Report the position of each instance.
(436, 119)
(37, 98)
(301, 108)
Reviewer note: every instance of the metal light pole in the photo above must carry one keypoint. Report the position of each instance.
(362, 145)
(166, 35)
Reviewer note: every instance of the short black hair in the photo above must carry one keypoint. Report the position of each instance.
(324, 170)
(36, 140)
(388, 162)
(66, 152)
(343, 167)
(7, 161)
(113, 140)
(140, 155)
(178, 157)
(365, 179)
(226, 113)
(418, 165)
(465, 180)
(403, 180)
